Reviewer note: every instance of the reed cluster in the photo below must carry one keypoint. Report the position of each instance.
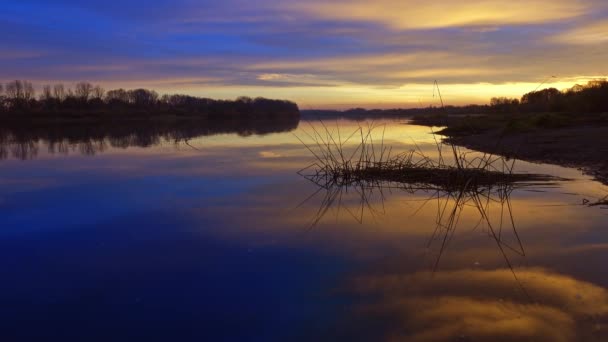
(371, 163)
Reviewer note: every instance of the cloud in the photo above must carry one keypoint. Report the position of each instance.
(595, 33)
(412, 14)
(322, 54)
(16, 54)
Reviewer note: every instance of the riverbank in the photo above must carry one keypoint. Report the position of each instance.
(563, 139)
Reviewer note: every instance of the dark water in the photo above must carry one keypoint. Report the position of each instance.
(187, 235)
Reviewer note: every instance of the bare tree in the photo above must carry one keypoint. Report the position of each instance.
(14, 90)
(46, 93)
(117, 95)
(98, 92)
(84, 90)
(28, 91)
(59, 92)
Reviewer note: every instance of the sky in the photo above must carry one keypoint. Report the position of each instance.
(321, 54)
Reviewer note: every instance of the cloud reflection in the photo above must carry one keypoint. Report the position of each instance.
(484, 305)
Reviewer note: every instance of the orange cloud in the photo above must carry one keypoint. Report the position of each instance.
(594, 33)
(412, 14)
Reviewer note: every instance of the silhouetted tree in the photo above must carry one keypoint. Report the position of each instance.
(3, 104)
(244, 99)
(20, 92)
(142, 97)
(83, 90)
(14, 90)
(98, 92)
(59, 92)
(90, 100)
(544, 100)
(504, 105)
(590, 97)
(28, 91)
(46, 93)
(117, 96)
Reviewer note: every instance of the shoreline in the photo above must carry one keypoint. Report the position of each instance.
(580, 144)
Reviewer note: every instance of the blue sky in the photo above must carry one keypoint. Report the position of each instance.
(337, 54)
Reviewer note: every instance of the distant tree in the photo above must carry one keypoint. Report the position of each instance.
(542, 96)
(244, 99)
(20, 90)
(83, 90)
(504, 104)
(98, 92)
(117, 96)
(165, 99)
(589, 98)
(28, 91)
(601, 83)
(3, 103)
(502, 101)
(93, 100)
(59, 92)
(47, 94)
(14, 90)
(577, 88)
(142, 97)
(546, 100)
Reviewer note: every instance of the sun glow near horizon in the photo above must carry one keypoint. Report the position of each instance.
(415, 95)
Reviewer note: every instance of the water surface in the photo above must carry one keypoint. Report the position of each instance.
(209, 235)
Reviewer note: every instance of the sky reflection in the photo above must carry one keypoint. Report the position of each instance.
(218, 231)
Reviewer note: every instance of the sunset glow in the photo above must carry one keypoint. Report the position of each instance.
(320, 54)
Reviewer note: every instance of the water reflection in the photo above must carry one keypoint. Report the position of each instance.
(473, 304)
(207, 241)
(504, 303)
(24, 141)
(480, 305)
(510, 302)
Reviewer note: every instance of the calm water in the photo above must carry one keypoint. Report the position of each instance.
(216, 237)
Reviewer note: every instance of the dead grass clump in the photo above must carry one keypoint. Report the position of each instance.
(370, 162)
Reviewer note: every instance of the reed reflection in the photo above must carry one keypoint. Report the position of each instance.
(482, 182)
(25, 141)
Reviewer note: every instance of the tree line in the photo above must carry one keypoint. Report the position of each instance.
(19, 98)
(589, 98)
